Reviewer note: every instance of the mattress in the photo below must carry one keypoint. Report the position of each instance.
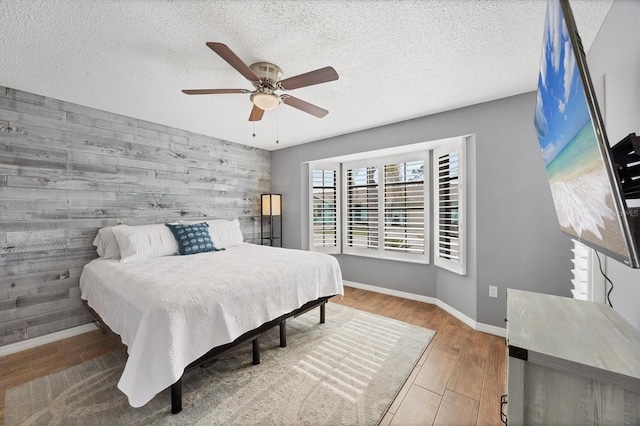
(171, 310)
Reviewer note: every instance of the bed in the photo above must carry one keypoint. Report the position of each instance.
(170, 310)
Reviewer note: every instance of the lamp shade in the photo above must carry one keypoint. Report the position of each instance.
(265, 101)
(271, 204)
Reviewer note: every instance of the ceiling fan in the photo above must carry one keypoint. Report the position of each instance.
(265, 78)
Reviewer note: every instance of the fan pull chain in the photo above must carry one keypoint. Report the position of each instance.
(254, 128)
(277, 126)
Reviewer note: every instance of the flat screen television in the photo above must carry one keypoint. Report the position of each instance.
(584, 182)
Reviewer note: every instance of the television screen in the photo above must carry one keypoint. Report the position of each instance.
(574, 146)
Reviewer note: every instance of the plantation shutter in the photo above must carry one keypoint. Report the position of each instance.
(449, 207)
(361, 220)
(580, 271)
(325, 226)
(588, 281)
(404, 212)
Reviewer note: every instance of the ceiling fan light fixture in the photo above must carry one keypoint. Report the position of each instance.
(265, 101)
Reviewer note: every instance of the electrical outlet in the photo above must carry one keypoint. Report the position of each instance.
(493, 291)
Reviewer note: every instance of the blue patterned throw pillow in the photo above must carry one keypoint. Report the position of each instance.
(193, 239)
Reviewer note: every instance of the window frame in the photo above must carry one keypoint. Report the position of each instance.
(380, 163)
(402, 153)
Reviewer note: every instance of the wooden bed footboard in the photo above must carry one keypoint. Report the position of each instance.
(253, 336)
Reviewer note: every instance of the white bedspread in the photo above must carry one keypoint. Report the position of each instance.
(171, 310)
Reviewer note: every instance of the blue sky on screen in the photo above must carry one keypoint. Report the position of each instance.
(561, 107)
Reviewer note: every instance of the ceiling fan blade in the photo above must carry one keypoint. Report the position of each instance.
(310, 78)
(256, 114)
(227, 54)
(214, 91)
(304, 106)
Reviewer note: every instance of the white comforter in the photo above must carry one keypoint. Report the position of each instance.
(171, 310)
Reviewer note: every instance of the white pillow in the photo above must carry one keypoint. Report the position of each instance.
(145, 241)
(224, 233)
(107, 244)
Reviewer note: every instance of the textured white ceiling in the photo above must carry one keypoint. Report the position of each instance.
(396, 59)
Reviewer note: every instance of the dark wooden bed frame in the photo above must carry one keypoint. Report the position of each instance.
(253, 336)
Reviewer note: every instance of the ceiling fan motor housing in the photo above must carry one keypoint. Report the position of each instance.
(268, 73)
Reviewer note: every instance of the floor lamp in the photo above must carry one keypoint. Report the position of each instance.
(271, 206)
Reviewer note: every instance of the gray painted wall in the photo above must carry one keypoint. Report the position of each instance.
(67, 170)
(520, 244)
(614, 63)
(514, 237)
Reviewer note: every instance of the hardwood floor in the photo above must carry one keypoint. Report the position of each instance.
(460, 377)
(458, 380)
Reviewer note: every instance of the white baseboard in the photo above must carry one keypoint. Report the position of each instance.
(485, 328)
(391, 292)
(491, 329)
(47, 338)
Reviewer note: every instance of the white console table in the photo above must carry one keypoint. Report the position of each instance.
(570, 362)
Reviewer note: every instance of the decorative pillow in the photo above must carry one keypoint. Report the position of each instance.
(107, 244)
(193, 238)
(144, 241)
(224, 233)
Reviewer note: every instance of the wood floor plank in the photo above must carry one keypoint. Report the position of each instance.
(456, 409)
(453, 337)
(436, 370)
(27, 355)
(478, 343)
(494, 382)
(496, 359)
(81, 340)
(438, 319)
(489, 409)
(467, 377)
(100, 350)
(419, 407)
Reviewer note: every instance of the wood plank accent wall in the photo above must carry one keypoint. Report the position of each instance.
(67, 170)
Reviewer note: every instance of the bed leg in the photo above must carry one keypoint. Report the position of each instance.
(283, 333)
(322, 312)
(176, 397)
(256, 350)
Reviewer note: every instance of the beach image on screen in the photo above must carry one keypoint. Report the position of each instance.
(577, 176)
